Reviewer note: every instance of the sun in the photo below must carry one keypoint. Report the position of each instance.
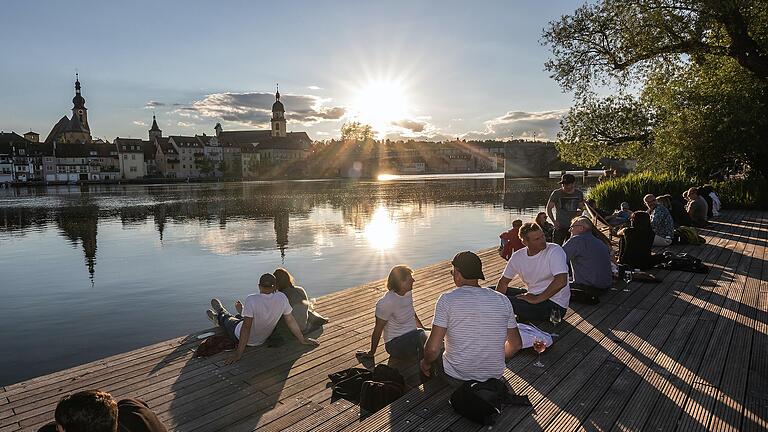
(381, 103)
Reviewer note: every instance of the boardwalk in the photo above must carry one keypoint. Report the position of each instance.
(690, 353)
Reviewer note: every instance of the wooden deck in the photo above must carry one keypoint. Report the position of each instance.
(690, 353)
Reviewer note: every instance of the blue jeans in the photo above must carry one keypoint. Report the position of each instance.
(229, 323)
(531, 312)
(407, 344)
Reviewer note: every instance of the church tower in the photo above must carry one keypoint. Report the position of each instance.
(155, 132)
(78, 106)
(278, 117)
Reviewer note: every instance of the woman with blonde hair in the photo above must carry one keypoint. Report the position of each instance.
(307, 319)
(404, 335)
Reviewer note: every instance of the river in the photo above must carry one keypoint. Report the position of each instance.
(94, 271)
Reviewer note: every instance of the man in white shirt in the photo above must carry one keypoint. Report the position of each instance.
(477, 326)
(260, 315)
(543, 268)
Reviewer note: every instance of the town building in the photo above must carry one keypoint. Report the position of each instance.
(166, 158)
(131, 158)
(190, 151)
(75, 129)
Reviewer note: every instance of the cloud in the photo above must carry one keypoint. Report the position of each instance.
(521, 124)
(415, 126)
(314, 87)
(154, 104)
(183, 124)
(139, 123)
(255, 108)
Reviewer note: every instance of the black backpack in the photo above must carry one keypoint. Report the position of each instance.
(683, 262)
(482, 402)
(384, 387)
(348, 383)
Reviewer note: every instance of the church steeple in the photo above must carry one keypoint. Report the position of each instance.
(78, 105)
(155, 131)
(278, 116)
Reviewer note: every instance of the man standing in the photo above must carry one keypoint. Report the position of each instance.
(697, 208)
(259, 317)
(661, 221)
(568, 203)
(543, 268)
(477, 325)
(590, 258)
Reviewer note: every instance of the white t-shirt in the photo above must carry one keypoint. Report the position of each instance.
(538, 271)
(476, 320)
(266, 310)
(398, 312)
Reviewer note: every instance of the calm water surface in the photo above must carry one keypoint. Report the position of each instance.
(91, 272)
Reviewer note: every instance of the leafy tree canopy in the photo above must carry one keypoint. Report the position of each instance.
(691, 79)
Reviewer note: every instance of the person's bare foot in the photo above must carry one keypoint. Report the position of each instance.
(239, 306)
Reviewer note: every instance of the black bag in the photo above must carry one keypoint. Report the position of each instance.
(375, 395)
(482, 402)
(348, 383)
(683, 262)
(384, 373)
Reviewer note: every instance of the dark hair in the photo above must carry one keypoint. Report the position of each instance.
(527, 228)
(283, 279)
(641, 219)
(397, 275)
(536, 219)
(517, 223)
(87, 411)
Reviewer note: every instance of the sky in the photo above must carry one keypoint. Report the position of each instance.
(416, 69)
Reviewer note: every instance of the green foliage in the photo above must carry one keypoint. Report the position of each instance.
(357, 132)
(616, 127)
(700, 73)
(608, 195)
(733, 193)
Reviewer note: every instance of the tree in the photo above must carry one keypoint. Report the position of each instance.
(356, 131)
(690, 76)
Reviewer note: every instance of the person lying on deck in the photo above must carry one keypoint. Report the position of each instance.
(258, 317)
(404, 335)
(476, 325)
(543, 268)
(589, 254)
(97, 411)
(307, 319)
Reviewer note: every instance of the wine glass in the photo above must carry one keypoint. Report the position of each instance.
(555, 317)
(627, 279)
(539, 345)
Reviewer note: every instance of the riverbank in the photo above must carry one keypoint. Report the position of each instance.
(691, 349)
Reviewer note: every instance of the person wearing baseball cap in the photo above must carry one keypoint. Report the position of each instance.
(475, 324)
(257, 317)
(568, 202)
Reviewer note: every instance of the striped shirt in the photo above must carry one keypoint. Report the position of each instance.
(476, 320)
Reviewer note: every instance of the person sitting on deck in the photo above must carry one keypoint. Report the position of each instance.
(697, 208)
(589, 254)
(620, 216)
(676, 209)
(568, 202)
(307, 319)
(97, 411)
(510, 240)
(404, 335)
(548, 228)
(477, 325)
(255, 322)
(662, 224)
(636, 241)
(543, 268)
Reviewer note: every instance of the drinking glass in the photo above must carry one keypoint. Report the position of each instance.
(539, 346)
(555, 318)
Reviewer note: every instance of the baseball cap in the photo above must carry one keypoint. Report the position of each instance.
(567, 179)
(469, 265)
(267, 280)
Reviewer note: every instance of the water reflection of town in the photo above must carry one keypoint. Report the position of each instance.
(76, 213)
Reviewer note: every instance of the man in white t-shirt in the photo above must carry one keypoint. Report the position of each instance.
(260, 315)
(543, 268)
(476, 325)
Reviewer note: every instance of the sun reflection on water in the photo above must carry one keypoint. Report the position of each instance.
(382, 231)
